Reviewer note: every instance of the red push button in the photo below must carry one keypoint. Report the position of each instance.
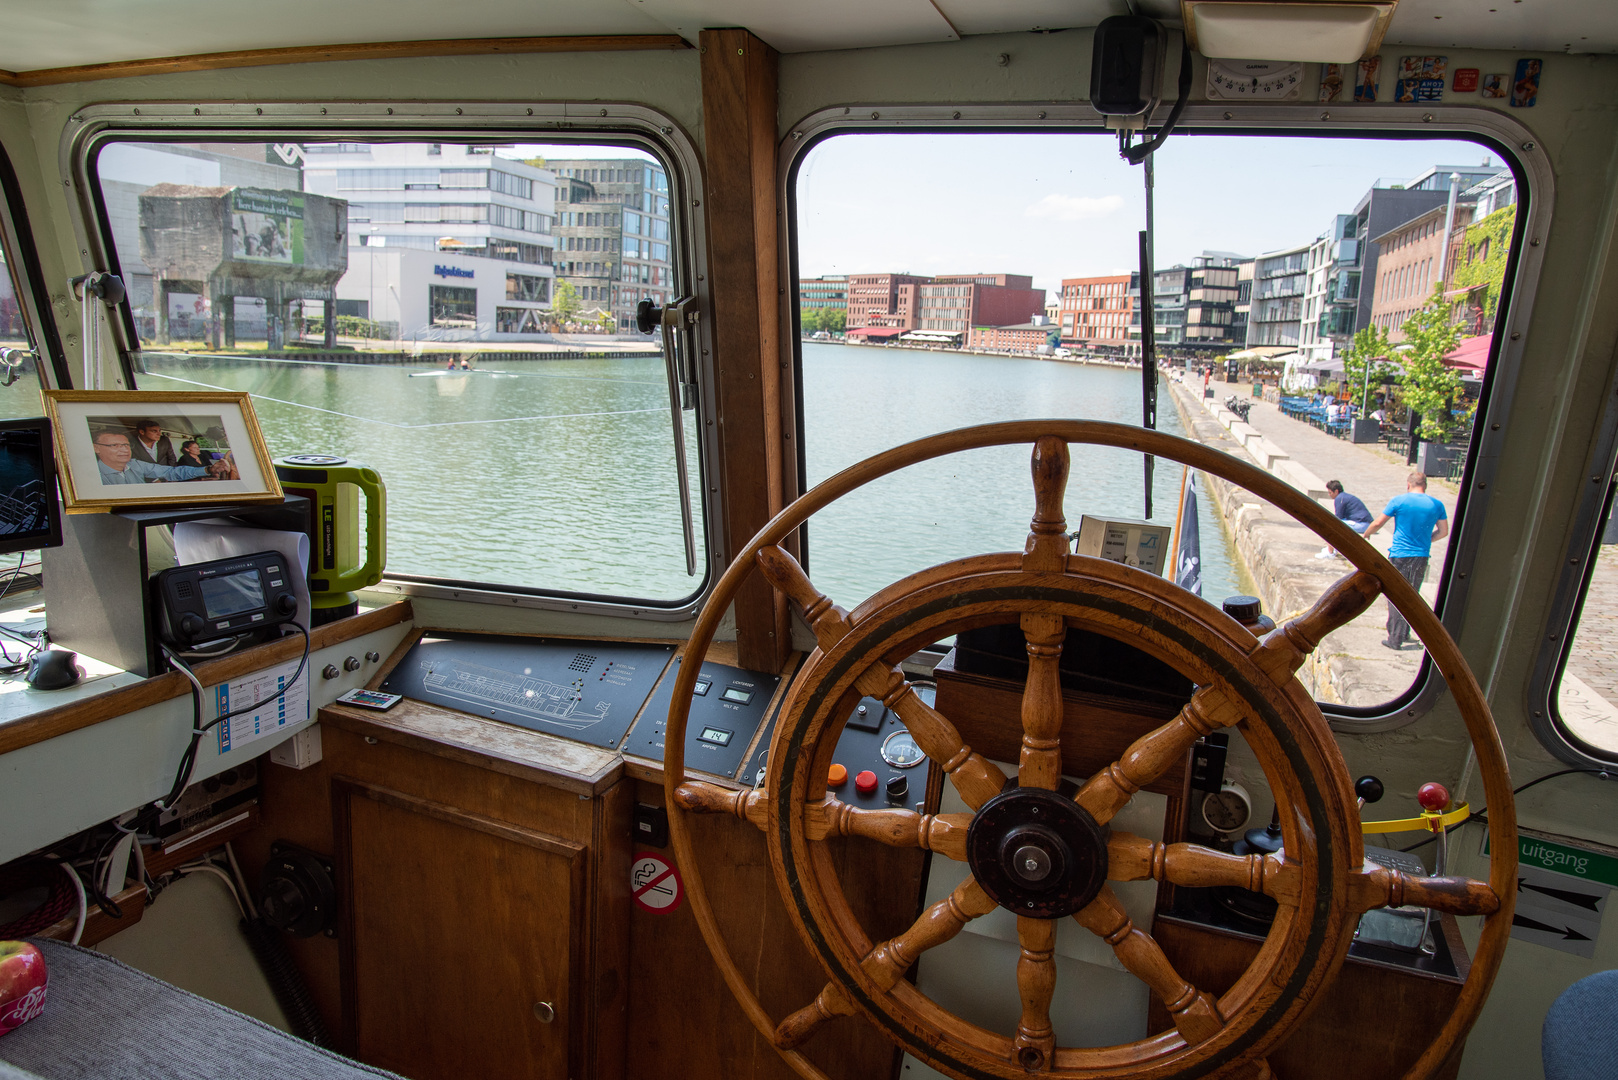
(865, 782)
(836, 776)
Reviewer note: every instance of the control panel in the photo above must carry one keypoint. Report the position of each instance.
(877, 764)
(585, 690)
(728, 705)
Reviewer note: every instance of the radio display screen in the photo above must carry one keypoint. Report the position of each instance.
(224, 596)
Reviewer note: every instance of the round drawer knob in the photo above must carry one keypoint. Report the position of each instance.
(351, 664)
(544, 1012)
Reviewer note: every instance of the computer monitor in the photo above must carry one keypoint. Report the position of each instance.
(30, 511)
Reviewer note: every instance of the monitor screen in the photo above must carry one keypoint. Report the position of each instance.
(30, 513)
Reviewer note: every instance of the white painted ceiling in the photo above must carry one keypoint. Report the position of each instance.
(62, 33)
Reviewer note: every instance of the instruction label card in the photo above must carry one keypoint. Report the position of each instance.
(273, 714)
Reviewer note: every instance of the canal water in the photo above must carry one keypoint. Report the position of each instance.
(559, 474)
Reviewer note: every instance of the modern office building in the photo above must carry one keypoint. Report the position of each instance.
(883, 300)
(1094, 313)
(1386, 207)
(830, 291)
(1331, 291)
(1244, 300)
(613, 241)
(954, 303)
(1280, 279)
(1194, 307)
(420, 296)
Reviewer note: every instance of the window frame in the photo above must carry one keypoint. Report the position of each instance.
(1502, 133)
(586, 124)
(28, 279)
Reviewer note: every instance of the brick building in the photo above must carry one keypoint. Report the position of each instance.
(954, 303)
(1094, 312)
(1411, 263)
(887, 300)
(1027, 337)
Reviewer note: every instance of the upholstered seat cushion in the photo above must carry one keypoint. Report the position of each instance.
(104, 1020)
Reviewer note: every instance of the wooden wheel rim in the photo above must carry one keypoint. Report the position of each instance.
(1297, 748)
(1446, 656)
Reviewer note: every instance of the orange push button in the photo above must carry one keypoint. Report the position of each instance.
(865, 782)
(836, 776)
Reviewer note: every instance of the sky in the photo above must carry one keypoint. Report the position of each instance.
(1056, 206)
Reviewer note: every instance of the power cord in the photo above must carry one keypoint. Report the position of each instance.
(188, 759)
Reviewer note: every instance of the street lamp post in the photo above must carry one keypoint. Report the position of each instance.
(370, 244)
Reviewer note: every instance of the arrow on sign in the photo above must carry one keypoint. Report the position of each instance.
(1583, 900)
(1567, 932)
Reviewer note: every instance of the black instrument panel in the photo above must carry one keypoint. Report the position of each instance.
(585, 690)
(728, 705)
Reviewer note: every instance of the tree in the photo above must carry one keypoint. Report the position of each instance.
(833, 320)
(565, 302)
(1365, 361)
(809, 319)
(1428, 386)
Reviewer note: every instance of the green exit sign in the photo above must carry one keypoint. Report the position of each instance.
(1565, 859)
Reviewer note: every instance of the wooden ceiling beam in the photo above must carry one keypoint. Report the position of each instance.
(321, 54)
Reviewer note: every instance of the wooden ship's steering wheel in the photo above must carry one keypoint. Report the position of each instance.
(1045, 855)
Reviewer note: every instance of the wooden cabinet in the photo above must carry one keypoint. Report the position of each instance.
(483, 887)
(491, 962)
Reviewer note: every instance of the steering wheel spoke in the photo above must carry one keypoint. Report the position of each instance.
(1196, 1015)
(943, 833)
(887, 963)
(1284, 649)
(1151, 755)
(1377, 886)
(1040, 763)
(1134, 858)
(1036, 984)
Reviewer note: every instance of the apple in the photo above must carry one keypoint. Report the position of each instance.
(22, 984)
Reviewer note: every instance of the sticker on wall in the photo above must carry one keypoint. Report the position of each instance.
(1494, 86)
(1421, 78)
(1367, 74)
(1466, 81)
(1525, 87)
(655, 883)
(1331, 82)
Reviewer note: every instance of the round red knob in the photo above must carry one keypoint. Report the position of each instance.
(1433, 797)
(865, 782)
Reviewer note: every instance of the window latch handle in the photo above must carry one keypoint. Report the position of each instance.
(682, 396)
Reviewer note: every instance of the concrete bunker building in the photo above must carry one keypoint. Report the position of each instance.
(225, 242)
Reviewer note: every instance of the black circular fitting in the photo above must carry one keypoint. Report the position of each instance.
(1037, 852)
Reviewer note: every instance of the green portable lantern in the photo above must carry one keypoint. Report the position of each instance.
(337, 538)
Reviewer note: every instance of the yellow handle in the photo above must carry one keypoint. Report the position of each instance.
(1427, 822)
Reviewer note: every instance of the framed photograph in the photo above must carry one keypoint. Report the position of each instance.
(144, 449)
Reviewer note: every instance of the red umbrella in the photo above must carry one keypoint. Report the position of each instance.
(1472, 354)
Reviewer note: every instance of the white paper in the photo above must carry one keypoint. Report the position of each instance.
(205, 541)
(272, 717)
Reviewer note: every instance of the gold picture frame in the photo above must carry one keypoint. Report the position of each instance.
(208, 450)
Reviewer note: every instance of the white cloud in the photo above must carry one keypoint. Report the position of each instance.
(1075, 207)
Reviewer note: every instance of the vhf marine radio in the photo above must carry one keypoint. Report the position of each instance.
(205, 602)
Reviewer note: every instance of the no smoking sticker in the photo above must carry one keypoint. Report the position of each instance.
(655, 883)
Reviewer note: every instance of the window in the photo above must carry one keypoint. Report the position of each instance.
(382, 256)
(19, 398)
(1296, 249)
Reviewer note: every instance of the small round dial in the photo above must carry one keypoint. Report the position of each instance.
(900, 750)
(1228, 809)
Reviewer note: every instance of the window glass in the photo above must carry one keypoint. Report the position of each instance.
(19, 382)
(386, 302)
(1275, 302)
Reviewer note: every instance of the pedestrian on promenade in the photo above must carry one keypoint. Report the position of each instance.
(1418, 520)
(1350, 510)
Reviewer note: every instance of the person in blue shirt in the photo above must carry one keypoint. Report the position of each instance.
(1349, 510)
(1418, 520)
(116, 463)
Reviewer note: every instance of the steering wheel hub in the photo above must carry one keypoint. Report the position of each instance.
(1037, 852)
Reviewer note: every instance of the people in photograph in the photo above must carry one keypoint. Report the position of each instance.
(192, 454)
(1418, 520)
(117, 464)
(151, 445)
(1350, 510)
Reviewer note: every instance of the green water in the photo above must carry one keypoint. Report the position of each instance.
(559, 474)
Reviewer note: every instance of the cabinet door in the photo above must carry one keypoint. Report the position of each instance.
(460, 938)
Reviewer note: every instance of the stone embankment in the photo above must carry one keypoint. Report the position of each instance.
(1351, 666)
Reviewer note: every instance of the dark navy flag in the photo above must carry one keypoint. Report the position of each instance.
(1188, 542)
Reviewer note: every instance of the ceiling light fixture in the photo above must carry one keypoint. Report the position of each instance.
(1324, 31)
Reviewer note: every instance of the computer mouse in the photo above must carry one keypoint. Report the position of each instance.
(53, 669)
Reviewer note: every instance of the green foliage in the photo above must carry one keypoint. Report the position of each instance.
(1428, 386)
(606, 323)
(831, 320)
(1365, 361)
(565, 301)
(1482, 260)
(347, 326)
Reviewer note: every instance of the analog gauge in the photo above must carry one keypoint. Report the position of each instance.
(1254, 80)
(1227, 809)
(900, 750)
